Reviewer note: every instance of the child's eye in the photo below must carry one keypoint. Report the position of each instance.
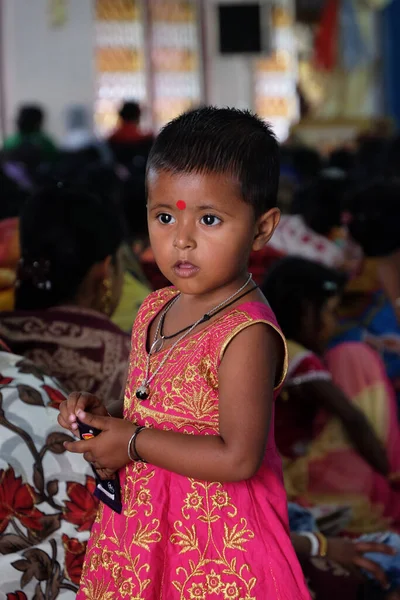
(210, 220)
(165, 218)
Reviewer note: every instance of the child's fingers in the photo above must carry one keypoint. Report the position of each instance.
(374, 547)
(373, 568)
(79, 447)
(85, 401)
(64, 417)
(95, 421)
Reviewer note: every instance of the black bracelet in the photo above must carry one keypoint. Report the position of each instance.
(135, 457)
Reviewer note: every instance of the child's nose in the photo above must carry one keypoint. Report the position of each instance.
(185, 238)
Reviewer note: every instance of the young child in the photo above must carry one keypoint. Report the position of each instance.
(204, 509)
(336, 425)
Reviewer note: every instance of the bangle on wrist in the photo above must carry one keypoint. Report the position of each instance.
(132, 452)
(323, 544)
(313, 541)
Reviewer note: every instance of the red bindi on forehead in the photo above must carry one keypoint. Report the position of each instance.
(181, 204)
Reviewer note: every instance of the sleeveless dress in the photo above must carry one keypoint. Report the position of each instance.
(180, 538)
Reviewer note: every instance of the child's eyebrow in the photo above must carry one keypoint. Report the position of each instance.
(202, 207)
(158, 206)
(211, 207)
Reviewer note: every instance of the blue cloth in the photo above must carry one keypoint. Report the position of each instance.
(353, 51)
(300, 519)
(378, 320)
(390, 564)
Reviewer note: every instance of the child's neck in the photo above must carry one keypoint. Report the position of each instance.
(210, 299)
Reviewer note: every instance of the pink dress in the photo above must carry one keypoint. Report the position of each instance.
(177, 537)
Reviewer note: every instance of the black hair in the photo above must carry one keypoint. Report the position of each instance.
(321, 203)
(30, 119)
(222, 140)
(375, 217)
(372, 156)
(63, 233)
(130, 111)
(307, 162)
(343, 159)
(293, 285)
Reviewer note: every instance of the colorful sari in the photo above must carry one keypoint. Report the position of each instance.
(82, 348)
(320, 464)
(367, 315)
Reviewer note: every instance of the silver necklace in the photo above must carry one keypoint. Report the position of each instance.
(143, 391)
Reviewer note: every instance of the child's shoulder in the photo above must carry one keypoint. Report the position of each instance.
(249, 313)
(153, 303)
(242, 317)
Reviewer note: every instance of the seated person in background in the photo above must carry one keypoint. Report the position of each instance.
(335, 567)
(335, 422)
(135, 290)
(68, 285)
(79, 137)
(314, 229)
(30, 121)
(370, 309)
(47, 505)
(128, 130)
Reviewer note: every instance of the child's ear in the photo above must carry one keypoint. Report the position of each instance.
(265, 227)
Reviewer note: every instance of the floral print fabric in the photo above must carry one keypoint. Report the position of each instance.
(47, 505)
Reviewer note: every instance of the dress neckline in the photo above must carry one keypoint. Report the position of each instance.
(212, 322)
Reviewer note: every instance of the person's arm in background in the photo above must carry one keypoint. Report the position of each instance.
(325, 394)
(347, 553)
(389, 277)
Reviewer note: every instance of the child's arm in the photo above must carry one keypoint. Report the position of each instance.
(326, 394)
(246, 381)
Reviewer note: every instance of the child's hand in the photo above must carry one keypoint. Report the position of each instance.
(347, 553)
(108, 450)
(79, 401)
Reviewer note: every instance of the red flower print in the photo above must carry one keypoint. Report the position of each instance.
(82, 509)
(17, 500)
(74, 556)
(5, 380)
(17, 596)
(55, 396)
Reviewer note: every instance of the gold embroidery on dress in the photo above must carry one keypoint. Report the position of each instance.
(210, 503)
(184, 399)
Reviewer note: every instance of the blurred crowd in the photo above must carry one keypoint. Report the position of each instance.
(75, 266)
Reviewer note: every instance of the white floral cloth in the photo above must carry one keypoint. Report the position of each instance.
(46, 494)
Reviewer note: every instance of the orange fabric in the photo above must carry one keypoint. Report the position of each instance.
(9, 257)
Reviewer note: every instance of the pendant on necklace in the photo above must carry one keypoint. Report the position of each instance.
(156, 346)
(143, 392)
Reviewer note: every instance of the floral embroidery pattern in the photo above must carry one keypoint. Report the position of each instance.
(185, 538)
(213, 504)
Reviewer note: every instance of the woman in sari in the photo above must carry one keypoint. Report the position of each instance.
(370, 308)
(69, 283)
(335, 421)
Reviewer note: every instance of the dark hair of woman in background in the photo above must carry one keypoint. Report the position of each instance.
(69, 283)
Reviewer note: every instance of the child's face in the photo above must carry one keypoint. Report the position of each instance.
(328, 320)
(201, 231)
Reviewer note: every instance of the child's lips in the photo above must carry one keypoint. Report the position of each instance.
(184, 268)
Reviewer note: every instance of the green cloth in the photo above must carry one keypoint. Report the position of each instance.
(39, 139)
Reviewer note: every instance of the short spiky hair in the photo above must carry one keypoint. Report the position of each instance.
(222, 140)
